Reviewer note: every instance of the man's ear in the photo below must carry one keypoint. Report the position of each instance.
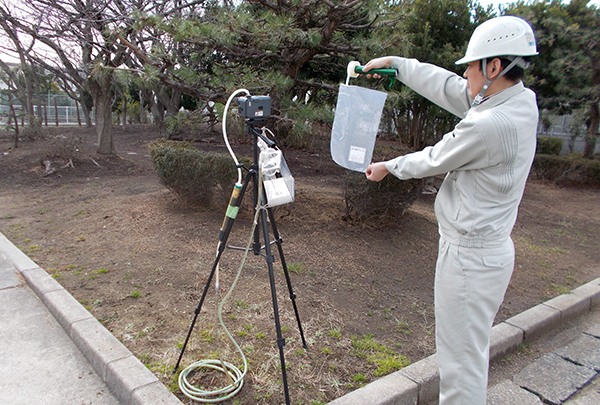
(494, 68)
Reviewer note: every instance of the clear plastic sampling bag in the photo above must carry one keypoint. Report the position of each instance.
(277, 179)
(357, 115)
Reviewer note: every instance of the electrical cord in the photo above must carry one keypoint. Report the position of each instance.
(233, 373)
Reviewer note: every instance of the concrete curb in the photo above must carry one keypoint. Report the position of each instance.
(418, 384)
(126, 377)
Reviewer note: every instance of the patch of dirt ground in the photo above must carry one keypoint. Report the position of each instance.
(138, 260)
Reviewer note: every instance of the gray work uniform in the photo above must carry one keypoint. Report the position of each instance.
(487, 158)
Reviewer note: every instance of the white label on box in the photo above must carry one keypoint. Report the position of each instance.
(357, 154)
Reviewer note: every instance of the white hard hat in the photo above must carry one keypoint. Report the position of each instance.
(507, 36)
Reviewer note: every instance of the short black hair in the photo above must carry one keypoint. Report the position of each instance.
(515, 74)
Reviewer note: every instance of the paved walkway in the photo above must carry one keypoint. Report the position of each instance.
(39, 362)
(53, 351)
(561, 367)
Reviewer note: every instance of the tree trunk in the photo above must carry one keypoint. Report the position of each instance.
(77, 110)
(124, 123)
(86, 115)
(143, 116)
(102, 95)
(103, 116)
(12, 110)
(56, 110)
(592, 134)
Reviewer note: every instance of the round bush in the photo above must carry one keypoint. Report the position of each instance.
(197, 177)
(547, 145)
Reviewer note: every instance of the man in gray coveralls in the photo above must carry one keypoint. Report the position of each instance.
(487, 158)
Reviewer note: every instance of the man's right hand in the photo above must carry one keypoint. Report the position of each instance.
(376, 171)
(378, 63)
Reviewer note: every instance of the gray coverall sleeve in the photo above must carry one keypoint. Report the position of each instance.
(463, 148)
(438, 85)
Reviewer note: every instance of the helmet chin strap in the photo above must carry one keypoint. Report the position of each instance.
(479, 98)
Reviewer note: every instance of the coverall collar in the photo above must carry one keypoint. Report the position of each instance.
(500, 97)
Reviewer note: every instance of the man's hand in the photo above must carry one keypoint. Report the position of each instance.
(376, 171)
(378, 63)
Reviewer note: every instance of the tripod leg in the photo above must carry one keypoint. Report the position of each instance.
(234, 204)
(280, 341)
(279, 243)
(197, 310)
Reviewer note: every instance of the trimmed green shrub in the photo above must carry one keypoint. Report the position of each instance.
(196, 177)
(368, 200)
(387, 199)
(548, 145)
(567, 170)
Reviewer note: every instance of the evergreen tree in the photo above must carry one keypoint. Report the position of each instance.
(566, 73)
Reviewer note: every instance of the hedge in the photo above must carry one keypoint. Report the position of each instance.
(198, 178)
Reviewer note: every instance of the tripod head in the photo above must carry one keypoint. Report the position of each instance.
(276, 178)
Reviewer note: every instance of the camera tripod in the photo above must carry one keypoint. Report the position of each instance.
(266, 215)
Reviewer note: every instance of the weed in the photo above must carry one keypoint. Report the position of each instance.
(57, 276)
(388, 363)
(524, 348)
(102, 271)
(559, 289)
(326, 350)
(296, 268)
(261, 335)
(359, 378)
(403, 327)
(336, 333)
(240, 304)
(382, 357)
(570, 279)
(144, 358)
(136, 294)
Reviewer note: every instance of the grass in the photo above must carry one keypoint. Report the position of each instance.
(336, 333)
(384, 359)
(135, 294)
(296, 268)
(559, 289)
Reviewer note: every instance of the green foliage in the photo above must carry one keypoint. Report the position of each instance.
(379, 201)
(383, 358)
(549, 145)
(568, 170)
(197, 177)
(368, 200)
(565, 73)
